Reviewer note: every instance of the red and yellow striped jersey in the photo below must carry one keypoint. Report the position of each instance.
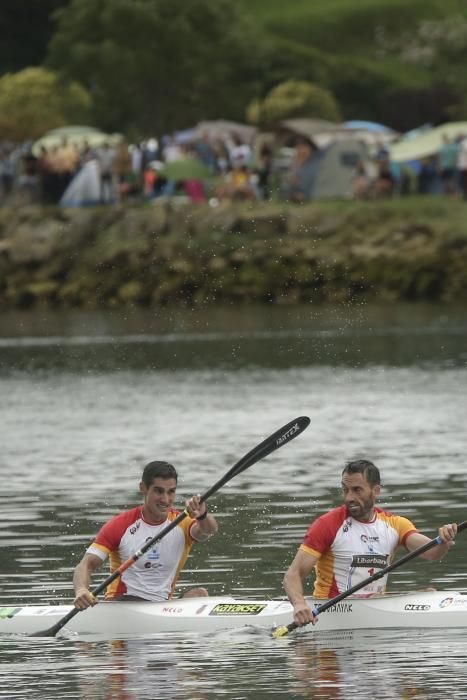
(351, 550)
(154, 575)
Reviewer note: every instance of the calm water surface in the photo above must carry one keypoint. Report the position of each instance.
(88, 398)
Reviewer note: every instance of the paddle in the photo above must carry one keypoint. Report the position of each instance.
(284, 630)
(273, 442)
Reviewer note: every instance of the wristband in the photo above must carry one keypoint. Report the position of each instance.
(202, 517)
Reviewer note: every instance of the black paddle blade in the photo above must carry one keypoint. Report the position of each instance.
(278, 439)
(281, 437)
(52, 631)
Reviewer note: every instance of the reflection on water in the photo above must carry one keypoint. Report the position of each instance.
(89, 398)
(241, 665)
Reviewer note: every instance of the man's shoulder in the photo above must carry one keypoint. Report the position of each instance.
(397, 521)
(336, 516)
(126, 517)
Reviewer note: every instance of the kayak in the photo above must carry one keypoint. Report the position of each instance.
(421, 609)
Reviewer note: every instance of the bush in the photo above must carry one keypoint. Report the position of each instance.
(34, 101)
(294, 98)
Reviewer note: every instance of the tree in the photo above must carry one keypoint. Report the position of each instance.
(294, 98)
(34, 101)
(154, 66)
(26, 29)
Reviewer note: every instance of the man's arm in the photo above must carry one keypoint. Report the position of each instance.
(82, 581)
(447, 534)
(205, 525)
(293, 583)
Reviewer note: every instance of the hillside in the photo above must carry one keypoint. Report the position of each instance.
(390, 60)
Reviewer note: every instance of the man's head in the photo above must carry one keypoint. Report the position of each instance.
(363, 466)
(361, 486)
(158, 486)
(304, 148)
(158, 470)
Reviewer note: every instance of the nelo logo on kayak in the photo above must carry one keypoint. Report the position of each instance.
(237, 609)
(172, 610)
(286, 436)
(413, 607)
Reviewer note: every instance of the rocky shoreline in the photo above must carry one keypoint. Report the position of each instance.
(173, 252)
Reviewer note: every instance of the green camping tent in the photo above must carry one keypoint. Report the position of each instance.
(336, 169)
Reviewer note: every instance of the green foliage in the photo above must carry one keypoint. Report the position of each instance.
(155, 66)
(399, 62)
(26, 29)
(294, 98)
(34, 101)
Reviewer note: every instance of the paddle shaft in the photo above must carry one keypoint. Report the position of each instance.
(318, 609)
(273, 442)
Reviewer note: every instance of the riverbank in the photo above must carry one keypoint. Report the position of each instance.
(173, 252)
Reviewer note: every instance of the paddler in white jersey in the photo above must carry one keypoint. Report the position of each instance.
(350, 543)
(152, 577)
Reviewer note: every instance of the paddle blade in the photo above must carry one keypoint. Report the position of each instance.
(52, 631)
(281, 437)
(280, 632)
(273, 442)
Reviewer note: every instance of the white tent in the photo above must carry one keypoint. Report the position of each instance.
(85, 188)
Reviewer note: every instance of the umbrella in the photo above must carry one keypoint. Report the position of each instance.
(76, 135)
(186, 169)
(428, 143)
(222, 128)
(366, 126)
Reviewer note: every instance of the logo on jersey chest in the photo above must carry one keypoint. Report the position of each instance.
(134, 528)
(153, 556)
(370, 542)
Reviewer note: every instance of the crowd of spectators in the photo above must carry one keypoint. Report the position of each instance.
(231, 169)
(442, 173)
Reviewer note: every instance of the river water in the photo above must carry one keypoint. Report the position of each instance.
(88, 398)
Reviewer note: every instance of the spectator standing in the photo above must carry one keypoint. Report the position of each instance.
(428, 176)
(221, 156)
(106, 159)
(448, 157)
(7, 171)
(239, 152)
(263, 172)
(361, 182)
(301, 175)
(205, 152)
(462, 166)
(385, 181)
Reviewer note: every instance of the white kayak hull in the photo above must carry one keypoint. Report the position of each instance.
(423, 609)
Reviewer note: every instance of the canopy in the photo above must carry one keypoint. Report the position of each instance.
(77, 135)
(221, 128)
(428, 143)
(322, 132)
(367, 126)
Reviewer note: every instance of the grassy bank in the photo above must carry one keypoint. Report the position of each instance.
(407, 249)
